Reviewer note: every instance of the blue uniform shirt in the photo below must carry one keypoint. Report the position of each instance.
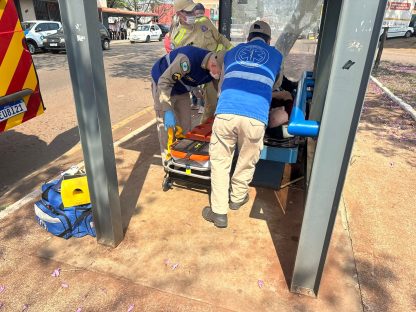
(197, 75)
(250, 71)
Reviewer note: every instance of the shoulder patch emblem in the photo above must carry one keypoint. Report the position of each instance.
(204, 28)
(185, 66)
(176, 76)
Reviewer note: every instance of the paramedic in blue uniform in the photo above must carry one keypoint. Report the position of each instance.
(250, 72)
(174, 76)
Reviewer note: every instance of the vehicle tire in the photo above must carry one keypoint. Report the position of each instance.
(106, 44)
(148, 39)
(31, 46)
(160, 38)
(132, 42)
(408, 34)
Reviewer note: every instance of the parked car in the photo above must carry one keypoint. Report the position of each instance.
(146, 33)
(393, 32)
(36, 31)
(56, 42)
(164, 28)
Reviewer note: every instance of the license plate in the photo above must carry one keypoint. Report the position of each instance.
(12, 109)
(53, 44)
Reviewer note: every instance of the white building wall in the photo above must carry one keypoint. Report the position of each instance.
(28, 11)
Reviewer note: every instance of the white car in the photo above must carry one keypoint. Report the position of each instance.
(398, 32)
(146, 33)
(36, 31)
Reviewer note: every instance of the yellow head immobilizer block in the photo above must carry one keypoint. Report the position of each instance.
(74, 191)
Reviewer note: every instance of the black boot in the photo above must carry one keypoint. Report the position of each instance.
(236, 206)
(219, 220)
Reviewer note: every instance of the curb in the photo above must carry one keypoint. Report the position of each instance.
(396, 99)
(31, 197)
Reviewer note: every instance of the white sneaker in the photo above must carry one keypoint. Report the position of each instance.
(201, 110)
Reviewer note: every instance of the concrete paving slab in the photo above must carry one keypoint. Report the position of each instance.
(379, 196)
(169, 247)
(30, 283)
(20, 231)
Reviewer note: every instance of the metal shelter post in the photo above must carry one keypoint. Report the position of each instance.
(225, 18)
(353, 52)
(86, 66)
(324, 56)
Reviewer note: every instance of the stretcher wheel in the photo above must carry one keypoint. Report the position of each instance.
(167, 184)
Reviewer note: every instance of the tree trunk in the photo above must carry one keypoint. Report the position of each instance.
(381, 47)
(304, 16)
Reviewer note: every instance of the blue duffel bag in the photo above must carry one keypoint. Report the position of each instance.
(63, 222)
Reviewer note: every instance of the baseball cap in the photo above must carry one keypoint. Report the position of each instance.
(184, 5)
(261, 27)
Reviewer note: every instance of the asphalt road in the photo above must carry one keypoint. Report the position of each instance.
(38, 142)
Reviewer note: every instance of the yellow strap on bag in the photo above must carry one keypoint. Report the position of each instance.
(75, 191)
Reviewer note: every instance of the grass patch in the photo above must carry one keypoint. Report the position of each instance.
(400, 79)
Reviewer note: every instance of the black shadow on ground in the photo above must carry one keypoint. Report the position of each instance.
(395, 127)
(400, 43)
(148, 145)
(29, 153)
(49, 62)
(283, 212)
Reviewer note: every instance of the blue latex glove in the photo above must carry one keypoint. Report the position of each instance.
(169, 120)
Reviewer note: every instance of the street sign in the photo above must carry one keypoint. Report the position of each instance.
(398, 13)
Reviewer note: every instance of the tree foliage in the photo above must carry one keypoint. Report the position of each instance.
(136, 5)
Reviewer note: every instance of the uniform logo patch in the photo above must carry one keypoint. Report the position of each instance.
(252, 56)
(185, 66)
(204, 28)
(176, 76)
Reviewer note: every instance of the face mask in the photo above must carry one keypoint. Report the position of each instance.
(215, 76)
(190, 20)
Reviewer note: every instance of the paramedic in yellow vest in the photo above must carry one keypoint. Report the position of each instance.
(200, 33)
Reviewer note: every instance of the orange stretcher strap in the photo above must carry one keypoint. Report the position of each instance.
(195, 157)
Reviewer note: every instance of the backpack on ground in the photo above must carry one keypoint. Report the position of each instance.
(63, 222)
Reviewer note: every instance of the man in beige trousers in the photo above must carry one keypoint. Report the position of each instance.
(249, 75)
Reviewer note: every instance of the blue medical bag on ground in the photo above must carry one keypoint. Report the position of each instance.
(63, 222)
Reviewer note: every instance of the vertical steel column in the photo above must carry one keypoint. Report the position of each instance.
(86, 66)
(323, 62)
(225, 18)
(356, 40)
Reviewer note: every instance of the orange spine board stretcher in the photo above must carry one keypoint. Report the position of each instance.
(202, 134)
(17, 72)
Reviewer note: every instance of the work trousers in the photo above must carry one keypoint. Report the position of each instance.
(181, 105)
(210, 99)
(228, 133)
